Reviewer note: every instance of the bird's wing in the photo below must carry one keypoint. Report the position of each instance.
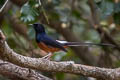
(52, 43)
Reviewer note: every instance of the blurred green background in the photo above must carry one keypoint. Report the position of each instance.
(71, 20)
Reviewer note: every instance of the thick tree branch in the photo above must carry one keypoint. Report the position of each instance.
(14, 71)
(46, 65)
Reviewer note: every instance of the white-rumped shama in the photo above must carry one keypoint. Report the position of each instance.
(50, 45)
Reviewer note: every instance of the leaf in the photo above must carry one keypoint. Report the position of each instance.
(28, 13)
(106, 8)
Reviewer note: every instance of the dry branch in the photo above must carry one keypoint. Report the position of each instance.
(13, 71)
(52, 66)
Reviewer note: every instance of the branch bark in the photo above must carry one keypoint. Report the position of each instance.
(13, 71)
(52, 66)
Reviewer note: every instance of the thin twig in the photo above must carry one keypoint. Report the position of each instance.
(39, 2)
(4, 5)
(44, 12)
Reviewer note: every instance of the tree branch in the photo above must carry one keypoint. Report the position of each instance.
(14, 71)
(3, 5)
(52, 66)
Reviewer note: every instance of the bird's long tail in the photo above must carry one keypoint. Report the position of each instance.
(85, 44)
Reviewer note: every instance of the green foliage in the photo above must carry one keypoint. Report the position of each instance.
(75, 15)
(106, 8)
(28, 12)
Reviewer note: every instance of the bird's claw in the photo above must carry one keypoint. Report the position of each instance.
(47, 56)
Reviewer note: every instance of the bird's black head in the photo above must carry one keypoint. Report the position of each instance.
(39, 28)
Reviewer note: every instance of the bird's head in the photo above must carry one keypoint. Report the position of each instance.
(39, 28)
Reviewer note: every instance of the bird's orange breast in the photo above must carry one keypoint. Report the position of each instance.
(47, 48)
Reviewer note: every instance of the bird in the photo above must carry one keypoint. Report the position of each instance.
(50, 45)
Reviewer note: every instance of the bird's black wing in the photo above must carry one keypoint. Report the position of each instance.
(52, 43)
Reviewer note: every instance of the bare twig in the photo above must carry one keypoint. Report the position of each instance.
(39, 2)
(3, 6)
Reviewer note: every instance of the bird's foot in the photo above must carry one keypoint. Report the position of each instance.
(48, 56)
